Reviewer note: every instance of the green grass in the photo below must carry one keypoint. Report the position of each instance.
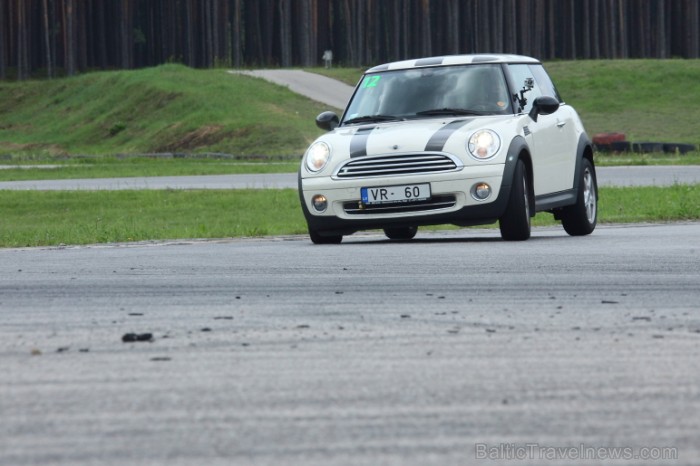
(109, 166)
(648, 100)
(169, 108)
(32, 218)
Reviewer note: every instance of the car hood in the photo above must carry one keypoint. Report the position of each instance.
(432, 135)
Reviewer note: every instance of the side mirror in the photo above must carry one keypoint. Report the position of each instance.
(543, 105)
(327, 121)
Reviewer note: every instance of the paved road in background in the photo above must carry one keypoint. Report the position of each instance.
(314, 86)
(607, 176)
(252, 181)
(278, 352)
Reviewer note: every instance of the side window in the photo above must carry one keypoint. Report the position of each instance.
(545, 83)
(521, 74)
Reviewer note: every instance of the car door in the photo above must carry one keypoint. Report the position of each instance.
(553, 136)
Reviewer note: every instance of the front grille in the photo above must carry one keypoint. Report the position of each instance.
(405, 164)
(434, 203)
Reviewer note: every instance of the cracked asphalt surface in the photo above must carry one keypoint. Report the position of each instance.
(275, 351)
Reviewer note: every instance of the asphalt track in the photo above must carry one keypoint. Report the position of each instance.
(432, 352)
(455, 348)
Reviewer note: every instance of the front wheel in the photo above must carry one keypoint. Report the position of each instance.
(401, 233)
(580, 219)
(515, 222)
(317, 238)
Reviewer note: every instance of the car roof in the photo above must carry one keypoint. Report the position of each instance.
(453, 60)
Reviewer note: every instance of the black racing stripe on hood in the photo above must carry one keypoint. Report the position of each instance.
(438, 140)
(358, 143)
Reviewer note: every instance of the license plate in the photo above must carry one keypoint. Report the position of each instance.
(403, 193)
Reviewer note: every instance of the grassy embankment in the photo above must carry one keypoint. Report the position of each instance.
(83, 123)
(86, 124)
(178, 110)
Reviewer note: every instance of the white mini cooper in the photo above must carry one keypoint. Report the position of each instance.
(465, 140)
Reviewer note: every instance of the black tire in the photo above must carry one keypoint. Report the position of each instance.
(401, 233)
(515, 222)
(581, 218)
(673, 147)
(316, 238)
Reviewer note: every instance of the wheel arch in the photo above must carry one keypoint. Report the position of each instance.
(519, 150)
(584, 151)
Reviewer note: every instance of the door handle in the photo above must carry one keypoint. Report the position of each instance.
(560, 124)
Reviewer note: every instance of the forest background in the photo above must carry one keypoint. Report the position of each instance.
(46, 38)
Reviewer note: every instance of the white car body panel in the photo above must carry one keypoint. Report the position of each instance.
(554, 141)
(549, 144)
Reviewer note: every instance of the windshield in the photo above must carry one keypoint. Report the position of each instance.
(413, 93)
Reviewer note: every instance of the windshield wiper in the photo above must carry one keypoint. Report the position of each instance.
(372, 118)
(450, 111)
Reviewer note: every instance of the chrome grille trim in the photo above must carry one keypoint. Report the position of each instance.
(434, 203)
(397, 165)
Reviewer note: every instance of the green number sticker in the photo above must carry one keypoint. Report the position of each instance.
(372, 81)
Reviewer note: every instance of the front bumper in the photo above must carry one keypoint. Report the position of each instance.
(453, 204)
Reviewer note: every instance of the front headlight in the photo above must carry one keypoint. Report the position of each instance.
(484, 144)
(317, 156)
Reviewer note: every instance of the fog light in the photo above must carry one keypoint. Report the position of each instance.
(320, 202)
(481, 191)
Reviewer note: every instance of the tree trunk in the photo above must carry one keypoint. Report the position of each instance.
(305, 46)
(47, 40)
(191, 59)
(126, 33)
(426, 31)
(237, 31)
(511, 20)
(658, 29)
(204, 26)
(285, 32)
(692, 34)
(22, 65)
(349, 43)
(3, 59)
(69, 37)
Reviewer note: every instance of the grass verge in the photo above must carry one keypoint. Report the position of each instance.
(117, 167)
(30, 218)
